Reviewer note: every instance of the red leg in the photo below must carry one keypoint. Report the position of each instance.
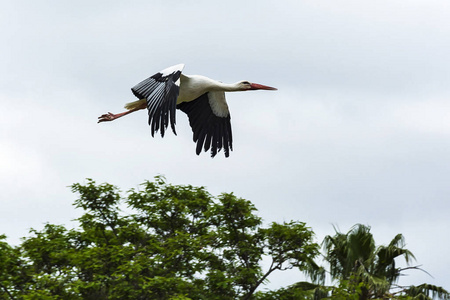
(111, 117)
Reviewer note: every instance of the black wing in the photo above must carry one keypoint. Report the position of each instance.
(210, 129)
(161, 92)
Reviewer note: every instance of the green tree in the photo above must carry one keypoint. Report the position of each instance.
(175, 242)
(12, 274)
(363, 269)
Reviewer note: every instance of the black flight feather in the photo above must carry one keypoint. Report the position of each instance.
(161, 93)
(210, 131)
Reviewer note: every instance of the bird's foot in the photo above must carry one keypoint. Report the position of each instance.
(107, 117)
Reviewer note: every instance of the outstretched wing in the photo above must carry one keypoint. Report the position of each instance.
(209, 118)
(161, 92)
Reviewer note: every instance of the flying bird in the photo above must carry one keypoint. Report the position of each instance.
(201, 98)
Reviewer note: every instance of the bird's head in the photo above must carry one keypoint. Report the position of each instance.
(246, 86)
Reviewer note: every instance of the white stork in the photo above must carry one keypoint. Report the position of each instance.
(201, 98)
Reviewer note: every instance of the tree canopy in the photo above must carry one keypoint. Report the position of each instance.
(163, 241)
(370, 271)
(178, 242)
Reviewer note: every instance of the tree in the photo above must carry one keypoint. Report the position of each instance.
(176, 242)
(369, 271)
(179, 242)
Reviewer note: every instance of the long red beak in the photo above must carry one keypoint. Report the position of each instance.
(256, 86)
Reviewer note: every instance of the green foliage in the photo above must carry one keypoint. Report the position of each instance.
(177, 242)
(298, 291)
(13, 276)
(426, 292)
(365, 271)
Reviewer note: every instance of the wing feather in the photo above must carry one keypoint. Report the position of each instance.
(211, 128)
(161, 92)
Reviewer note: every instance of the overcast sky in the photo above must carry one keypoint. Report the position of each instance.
(358, 131)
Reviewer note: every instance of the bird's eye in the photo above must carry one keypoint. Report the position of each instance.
(245, 82)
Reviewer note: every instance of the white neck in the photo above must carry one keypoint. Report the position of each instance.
(193, 86)
(207, 84)
(226, 87)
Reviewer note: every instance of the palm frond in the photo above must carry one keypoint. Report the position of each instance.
(428, 290)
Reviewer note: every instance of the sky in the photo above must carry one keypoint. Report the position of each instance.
(358, 131)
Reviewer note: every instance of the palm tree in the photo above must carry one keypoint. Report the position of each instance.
(354, 258)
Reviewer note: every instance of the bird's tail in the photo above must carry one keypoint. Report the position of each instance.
(142, 103)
